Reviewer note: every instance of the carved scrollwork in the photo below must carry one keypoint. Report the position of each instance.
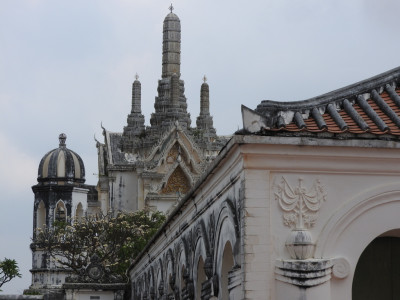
(341, 267)
(177, 182)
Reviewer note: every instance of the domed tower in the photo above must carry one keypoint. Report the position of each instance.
(60, 195)
(61, 176)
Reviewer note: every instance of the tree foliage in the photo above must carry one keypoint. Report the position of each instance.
(8, 270)
(115, 240)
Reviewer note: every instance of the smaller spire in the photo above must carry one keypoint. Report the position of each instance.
(136, 96)
(62, 138)
(171, 8)
(204, 98)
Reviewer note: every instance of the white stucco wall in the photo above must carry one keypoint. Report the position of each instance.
(351, 176)
(124, 191)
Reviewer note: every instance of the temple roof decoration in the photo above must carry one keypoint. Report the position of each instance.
(369, 107)
(161, 161)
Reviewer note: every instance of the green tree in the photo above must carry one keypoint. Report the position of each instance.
(8, 270)
(115, 240)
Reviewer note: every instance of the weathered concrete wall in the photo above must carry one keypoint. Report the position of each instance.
(123, 191)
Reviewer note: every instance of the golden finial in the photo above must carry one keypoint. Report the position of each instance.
(171, 8)
(205, 79)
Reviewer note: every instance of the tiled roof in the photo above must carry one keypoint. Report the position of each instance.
(369, 107)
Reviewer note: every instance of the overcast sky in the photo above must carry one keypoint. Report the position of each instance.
(67, 66)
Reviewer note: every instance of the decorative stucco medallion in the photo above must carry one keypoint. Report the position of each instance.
(95, 271)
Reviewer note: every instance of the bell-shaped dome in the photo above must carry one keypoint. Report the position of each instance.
(61, 165)
(171, 17)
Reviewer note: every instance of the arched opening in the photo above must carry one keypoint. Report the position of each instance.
(201, 277)
(79, 212)
(41, 215)
(378, 269)
(227, 265)
(60, 214)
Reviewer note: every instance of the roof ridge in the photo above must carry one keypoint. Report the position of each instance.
(370, 106)
(359, 87)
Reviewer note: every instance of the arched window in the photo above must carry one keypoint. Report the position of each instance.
(41, 215)
(60, 213)
(227, 265)
(79, 212)
(201, 277)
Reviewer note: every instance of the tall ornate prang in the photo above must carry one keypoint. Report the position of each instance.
(136, 168)
(170, 104)
(171, 55)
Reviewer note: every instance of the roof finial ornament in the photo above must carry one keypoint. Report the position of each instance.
(205, 79)
(62, 137)
(171, 8)
(136, 76)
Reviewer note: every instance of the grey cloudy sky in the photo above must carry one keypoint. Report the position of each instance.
(67, 66)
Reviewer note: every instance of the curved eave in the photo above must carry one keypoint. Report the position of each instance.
(360, 87)
(370, 106)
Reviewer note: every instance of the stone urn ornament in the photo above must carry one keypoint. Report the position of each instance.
(300, 207)
(299, 244)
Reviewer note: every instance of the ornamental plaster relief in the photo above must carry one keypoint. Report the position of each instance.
(300, 205)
